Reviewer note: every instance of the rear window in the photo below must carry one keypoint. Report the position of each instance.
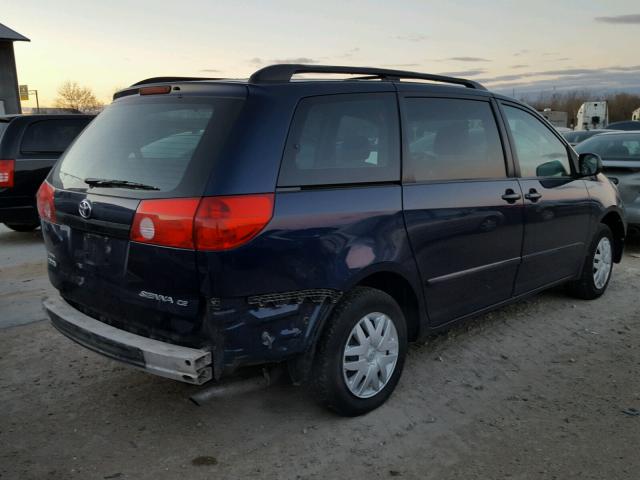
(151, 141)
(3, 127)
(343, 139)
(51, 136)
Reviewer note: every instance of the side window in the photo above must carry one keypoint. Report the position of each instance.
(343, 139)
(50, 136)
(448, 139)
(540, 153)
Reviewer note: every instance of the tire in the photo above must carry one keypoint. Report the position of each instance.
(366, 307)
(589, 286)
(22, 228)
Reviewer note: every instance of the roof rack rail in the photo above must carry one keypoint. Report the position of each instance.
(171, 79)
(282, 73)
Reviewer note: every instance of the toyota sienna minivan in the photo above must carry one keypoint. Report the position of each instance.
(201, 226)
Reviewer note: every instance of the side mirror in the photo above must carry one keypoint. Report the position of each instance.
(554, 168)
(589, 164)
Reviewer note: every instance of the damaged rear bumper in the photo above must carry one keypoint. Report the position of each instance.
(185, 364)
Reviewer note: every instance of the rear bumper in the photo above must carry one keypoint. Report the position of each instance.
(185, 364)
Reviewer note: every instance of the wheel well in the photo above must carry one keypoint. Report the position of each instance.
(614, 222)
(403, 293)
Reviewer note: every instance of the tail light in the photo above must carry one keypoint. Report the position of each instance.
(223, 223)
(7, 170)
(210, 223)
(45, 201)
(167, 222)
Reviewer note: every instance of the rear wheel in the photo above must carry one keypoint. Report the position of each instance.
(22, 228)
(596, 271)
(361, 353)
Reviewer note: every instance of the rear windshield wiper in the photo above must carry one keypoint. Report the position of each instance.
(111, 183)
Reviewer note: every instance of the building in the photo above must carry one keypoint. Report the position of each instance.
(555, 118)
(636, 114)
(9, 98)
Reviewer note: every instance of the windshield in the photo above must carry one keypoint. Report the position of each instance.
(618, 147)
(151, 142)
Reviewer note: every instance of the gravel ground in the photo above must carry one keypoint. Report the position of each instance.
(544, 389)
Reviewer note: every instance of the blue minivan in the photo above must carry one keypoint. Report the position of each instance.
(198, 227)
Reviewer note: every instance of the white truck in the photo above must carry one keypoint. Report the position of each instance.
(592, 115)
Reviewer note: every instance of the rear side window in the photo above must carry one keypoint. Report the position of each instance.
(51, 136)
(540, 153)
(343, 139)
(151, 141)
(447, 139)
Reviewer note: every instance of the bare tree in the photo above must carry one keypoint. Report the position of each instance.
(72, 95)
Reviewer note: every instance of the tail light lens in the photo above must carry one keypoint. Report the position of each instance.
(45, 202)
(167, 222)
(223, 223)
(210, 223)
(7, 170)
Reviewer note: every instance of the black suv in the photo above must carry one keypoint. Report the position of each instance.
(29, 147)
(200, 226)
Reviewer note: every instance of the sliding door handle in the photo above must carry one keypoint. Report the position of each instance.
(533, 195)
(510, 196)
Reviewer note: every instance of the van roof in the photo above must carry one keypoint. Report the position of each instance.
(283, 73)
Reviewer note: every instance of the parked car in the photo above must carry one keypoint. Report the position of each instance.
(198, 227)
(620, 153)
(29, 146)
(574, 137)
(626, 125)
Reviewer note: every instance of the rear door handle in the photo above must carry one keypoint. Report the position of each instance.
(510, 196)
(533, 195)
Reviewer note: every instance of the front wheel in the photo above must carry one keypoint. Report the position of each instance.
(361, 353)
(596, 271)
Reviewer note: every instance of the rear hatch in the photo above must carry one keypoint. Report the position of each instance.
(144, 149)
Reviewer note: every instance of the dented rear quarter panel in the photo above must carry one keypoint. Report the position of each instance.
(318, 239)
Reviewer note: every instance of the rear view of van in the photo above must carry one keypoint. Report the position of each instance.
(29, 146)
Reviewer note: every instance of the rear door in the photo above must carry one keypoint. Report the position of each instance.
(557, 205)
(462, 209)
(166, 147)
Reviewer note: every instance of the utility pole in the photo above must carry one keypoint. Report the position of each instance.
(24, 95)
(37, 101)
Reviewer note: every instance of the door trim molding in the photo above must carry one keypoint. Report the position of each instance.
(470, 271)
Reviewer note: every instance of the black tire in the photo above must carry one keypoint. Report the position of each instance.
(327, 380)
(585, 287)
(22, 228)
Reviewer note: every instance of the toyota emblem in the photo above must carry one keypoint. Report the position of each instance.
(84, 209)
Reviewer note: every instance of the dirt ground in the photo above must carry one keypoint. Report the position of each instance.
(548, 388)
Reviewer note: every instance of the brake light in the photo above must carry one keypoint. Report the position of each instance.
(45, 202)
(223, 223)
(7, 170)
(210, 223)
(166, 222)
(155, 90)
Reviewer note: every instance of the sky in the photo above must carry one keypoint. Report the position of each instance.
(511, 46)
